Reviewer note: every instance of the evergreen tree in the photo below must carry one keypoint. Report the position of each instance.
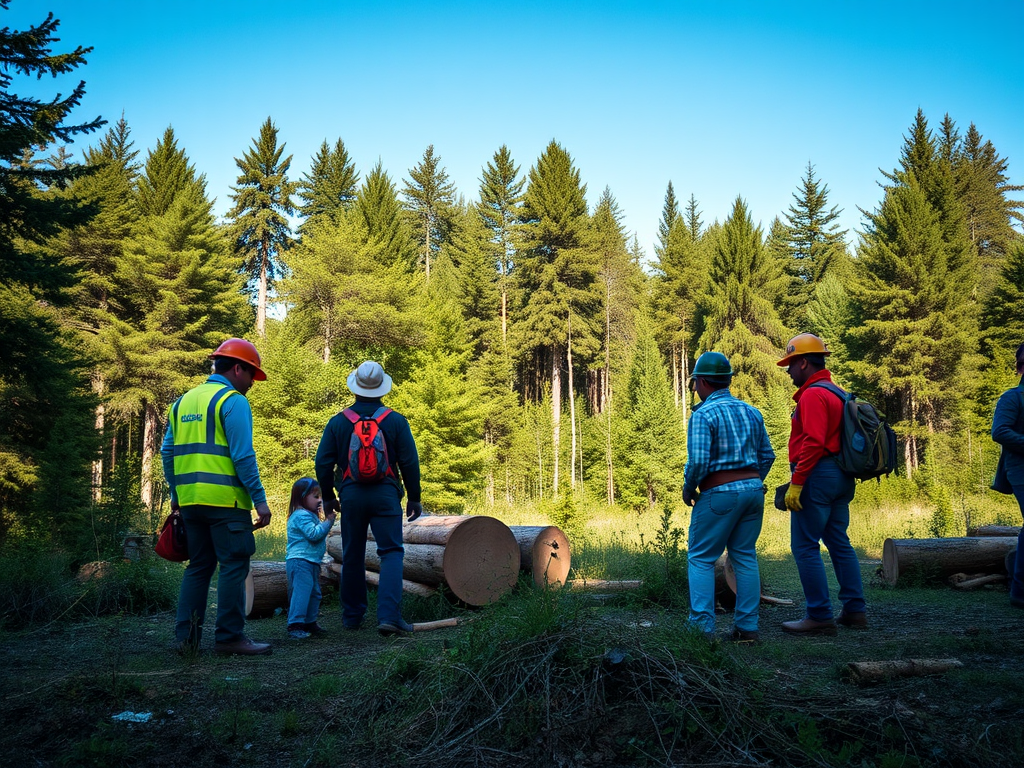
(830, 316)
(429, 197)
(692, 217)
(168, 172)
(650, 433)
(330, 185)
(44, 386)
(500, 206)
(475, 282)
(381, 212)
(1004, 316)
(737, 316)
(263, 200)
(669, 214)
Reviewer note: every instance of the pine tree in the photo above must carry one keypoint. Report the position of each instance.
(429, 197)
(556, 274)
(500, 206)
(330, 185)
(692, 217)
(475, 284)
(1003, 318)
(381, 212)
(44, 386)
(737, 316)
(669, 214)
(650, 433)
(263, 200)
(168, 172)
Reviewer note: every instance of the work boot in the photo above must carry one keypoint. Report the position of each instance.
(745, 636)
(297, 632)
(853, 620)
(810, 627)
(315, 629)
(243, 646)
(400, 628)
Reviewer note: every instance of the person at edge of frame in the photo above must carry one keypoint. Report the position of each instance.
(728, 457)
(1008, 431)
(210, 466)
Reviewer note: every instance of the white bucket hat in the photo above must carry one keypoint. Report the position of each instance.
(369, 380)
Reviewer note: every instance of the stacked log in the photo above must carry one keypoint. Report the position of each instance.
(544, 553)
(941, 558)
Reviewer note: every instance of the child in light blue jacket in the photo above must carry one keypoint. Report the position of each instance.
(307, 543)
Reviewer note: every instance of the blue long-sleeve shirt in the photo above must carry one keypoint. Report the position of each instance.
(307, 536)
(726, 433)
(1008, 431)
(237, 418)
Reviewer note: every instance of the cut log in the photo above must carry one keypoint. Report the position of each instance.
(992, 578)
(876, 671)
(266, 588)
(769, 600)
(994, 530)
(941, 558)
(426, 626)
(605, 586)
(409, 587)
(543, 552)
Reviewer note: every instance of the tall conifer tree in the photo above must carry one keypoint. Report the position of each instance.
(331, 184)
(386, 229)
(263, 201)
(429, 197)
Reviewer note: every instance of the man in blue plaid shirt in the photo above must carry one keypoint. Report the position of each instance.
(728, 457)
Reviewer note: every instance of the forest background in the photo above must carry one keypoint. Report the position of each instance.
(540, 354)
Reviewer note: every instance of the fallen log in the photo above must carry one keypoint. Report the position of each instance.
(266, 588)
(865, 672)
(980, 581)
(605, 586)
(941, 558)
(543, 552)
(409, 587)
(994, 530)
(426, 626)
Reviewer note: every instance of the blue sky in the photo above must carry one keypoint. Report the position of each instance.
(720, 98)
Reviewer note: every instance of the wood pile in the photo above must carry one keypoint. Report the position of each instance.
(944, 558)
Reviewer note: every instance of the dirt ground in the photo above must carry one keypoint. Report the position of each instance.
(66, 688)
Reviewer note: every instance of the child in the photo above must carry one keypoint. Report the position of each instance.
(306, 546)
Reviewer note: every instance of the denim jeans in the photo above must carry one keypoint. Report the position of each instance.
(825, 517)
(216, 535)
(303, 590)
(1017, 585)
(723, 517)
(378, 508)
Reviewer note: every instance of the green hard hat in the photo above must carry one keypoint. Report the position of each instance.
(712, 364)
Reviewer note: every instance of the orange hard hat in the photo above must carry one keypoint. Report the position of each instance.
(804, 344)
(240, 349)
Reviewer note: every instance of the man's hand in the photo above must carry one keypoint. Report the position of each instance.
(331, 506)
(688, 498)
(413, 509)
(262, 516)
(793, 497)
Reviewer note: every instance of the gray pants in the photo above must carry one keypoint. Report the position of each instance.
(216, 536)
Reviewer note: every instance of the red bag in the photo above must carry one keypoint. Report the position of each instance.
(367, 452)
(173, 542)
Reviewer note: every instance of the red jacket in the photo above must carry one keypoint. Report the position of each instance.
(817, 422)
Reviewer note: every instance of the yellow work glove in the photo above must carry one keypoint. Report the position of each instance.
(793, 497)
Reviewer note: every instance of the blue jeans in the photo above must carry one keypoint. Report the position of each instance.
(825, 517)
(1017, 585)
(379, 508)
(722, 518)
(303, 591)
(216, 535)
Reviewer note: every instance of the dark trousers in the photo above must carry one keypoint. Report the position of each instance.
(379, 509)
(824, 518)
(216, 536)
(1017, 585)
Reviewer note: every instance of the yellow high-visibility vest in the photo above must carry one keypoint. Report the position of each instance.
(203, 470)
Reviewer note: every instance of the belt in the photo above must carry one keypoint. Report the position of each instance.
(723, 476)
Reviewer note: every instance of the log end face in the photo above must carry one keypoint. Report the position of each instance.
(551, 558)
(890, 562)
(481, 561)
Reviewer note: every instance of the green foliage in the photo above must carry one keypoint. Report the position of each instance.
(330, 186)
(387, 233)
(429, 198)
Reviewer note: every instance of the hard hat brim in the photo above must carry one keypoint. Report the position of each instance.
(788, 359)
(259, 374)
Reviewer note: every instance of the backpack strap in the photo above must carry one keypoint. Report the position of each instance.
(351, 415)
(380, 414)
(834, 389)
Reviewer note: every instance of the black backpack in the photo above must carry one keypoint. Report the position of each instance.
(867, 442)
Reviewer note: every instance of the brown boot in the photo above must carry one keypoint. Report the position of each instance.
(243, 646)
(853, 620)
(809, 627)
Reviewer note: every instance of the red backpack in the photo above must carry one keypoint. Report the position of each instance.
(367, 451)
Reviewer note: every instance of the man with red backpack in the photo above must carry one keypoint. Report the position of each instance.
(366, 454)
(820, 492)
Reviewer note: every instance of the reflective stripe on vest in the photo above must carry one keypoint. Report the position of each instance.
(203, 470)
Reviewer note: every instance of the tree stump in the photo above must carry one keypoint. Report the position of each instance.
(941, 558)
(543, 552)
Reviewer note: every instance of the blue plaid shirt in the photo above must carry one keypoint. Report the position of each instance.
(726, 433)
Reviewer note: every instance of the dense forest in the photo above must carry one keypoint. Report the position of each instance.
(540, 355)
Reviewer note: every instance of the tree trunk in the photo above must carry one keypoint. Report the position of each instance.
(684, 363)
(940, 558)
(572, 408)
(266, 588)
(994, 530)
(426, 255)
(261, 296)
(556, 412)
(150, 432)
(97, 465)
(543, 552)
(327, 335)
(675, 375)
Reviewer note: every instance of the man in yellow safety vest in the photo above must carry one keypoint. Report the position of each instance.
(210, 466)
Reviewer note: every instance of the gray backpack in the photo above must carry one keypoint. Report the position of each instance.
(867, 443)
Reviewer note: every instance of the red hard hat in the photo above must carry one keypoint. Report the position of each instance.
(240, 349)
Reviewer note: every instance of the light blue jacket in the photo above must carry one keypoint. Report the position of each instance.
(307, 536)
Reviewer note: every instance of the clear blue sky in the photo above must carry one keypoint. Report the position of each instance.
(720, 98)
